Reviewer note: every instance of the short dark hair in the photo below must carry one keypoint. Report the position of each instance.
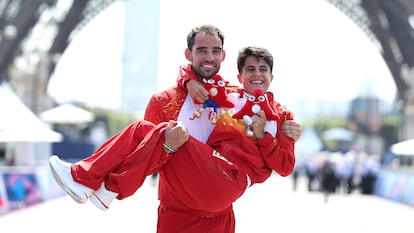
(207, 28)
(259, 53)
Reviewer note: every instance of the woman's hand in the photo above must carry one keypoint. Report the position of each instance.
(197, 91)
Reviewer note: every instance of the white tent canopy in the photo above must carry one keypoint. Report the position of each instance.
(67, 114)
(403, 148)
(18, 123)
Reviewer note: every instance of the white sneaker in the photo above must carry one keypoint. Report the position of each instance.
(102, 197)
(62, 174)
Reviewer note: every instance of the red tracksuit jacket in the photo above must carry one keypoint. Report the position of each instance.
(197, 187)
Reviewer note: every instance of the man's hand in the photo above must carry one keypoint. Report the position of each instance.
(197, 91)
(176, 134)
(291, 129)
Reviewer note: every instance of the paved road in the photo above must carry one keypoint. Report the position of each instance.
(265, 208)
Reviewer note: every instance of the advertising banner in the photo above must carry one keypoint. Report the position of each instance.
(3, 197)
(21, 188)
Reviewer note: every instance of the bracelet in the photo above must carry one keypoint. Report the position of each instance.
(168, 148)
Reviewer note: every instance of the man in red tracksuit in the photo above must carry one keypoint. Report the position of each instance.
(198, 184)
(277, 154)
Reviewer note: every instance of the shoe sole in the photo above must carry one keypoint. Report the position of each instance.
(71, 193)
(96, 201)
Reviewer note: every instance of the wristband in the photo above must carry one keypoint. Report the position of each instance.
(168, 148)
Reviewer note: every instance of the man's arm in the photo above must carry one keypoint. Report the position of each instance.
(279, 151)
(154, 112)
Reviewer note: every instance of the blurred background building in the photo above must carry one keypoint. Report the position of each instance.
(140, 70)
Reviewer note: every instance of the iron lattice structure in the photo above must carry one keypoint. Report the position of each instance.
(389, 24)
(19, 20)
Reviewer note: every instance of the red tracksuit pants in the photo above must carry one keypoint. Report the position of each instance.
(195, 175)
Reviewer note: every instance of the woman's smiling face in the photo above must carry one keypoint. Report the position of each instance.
(255, 74)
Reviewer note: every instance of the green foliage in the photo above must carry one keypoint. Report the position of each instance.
(324, 123)
(389, 130)
(115, 120)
